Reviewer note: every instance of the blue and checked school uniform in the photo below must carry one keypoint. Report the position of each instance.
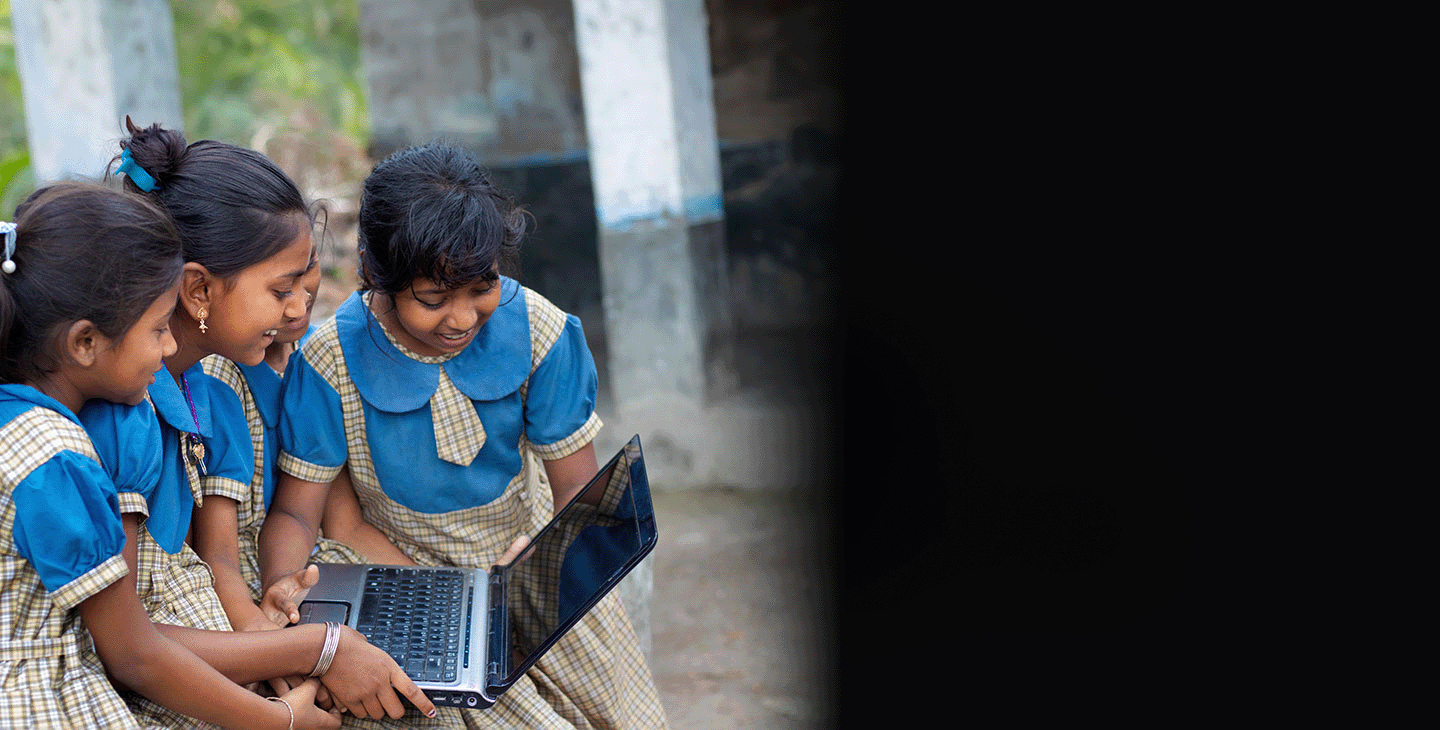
(143, 448)
(445, 454)
(61, 542)
(255, 390)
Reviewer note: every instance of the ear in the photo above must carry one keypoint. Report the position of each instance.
(196, 285)
(83, 343)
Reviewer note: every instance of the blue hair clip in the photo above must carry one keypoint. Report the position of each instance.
(135, 172)
(9, 230)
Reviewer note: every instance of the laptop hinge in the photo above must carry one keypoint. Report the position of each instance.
(499, 653)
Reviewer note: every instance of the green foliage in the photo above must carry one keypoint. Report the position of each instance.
(249, 67)
(282, 76)
(16, 178)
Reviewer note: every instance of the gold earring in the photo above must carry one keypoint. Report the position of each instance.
(202, 314)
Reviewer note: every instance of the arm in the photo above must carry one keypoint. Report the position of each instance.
(291, 529)
(569, 474)
(216, 541)
(362, 677)
(344, 521)
(138, 655)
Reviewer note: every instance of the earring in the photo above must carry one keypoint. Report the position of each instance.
(202, 314)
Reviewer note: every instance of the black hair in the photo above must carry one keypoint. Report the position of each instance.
(82, 251)
(233, 206)
(431, 211)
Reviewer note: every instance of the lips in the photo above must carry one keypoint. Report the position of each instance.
(456, 340)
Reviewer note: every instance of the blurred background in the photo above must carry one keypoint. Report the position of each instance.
(680, 159)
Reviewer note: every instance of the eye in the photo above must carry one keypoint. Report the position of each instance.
(429, 305)
(284, 294)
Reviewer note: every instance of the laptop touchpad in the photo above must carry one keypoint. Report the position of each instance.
(318, 612)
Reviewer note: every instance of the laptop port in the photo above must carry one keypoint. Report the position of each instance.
(471, 701)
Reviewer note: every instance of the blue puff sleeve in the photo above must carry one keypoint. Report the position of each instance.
(127, 439)
(229, 452)
(67, 521)
(562, 388)
(312, 424)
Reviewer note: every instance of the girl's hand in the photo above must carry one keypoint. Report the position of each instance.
(307, 714)
(279, 686)
(363, 680)
(256, 620)
(516, 546)
(281, 602)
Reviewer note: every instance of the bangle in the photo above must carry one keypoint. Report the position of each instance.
(327, 652)
(288, 708)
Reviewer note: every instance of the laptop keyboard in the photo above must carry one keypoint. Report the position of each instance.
(402, 614)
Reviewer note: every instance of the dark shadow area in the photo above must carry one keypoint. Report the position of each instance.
(1039, 423)
(779, 228)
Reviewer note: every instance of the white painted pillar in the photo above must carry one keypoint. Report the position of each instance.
(650, 123)
(84, 65)
(655, 169)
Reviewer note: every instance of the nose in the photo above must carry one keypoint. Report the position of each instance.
(167, 344)
(463, 318)
(295, 305)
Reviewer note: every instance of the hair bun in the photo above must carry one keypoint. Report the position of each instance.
(157, 150)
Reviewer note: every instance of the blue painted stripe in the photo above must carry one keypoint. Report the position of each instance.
(544, 158)
(699, 209)
(623, 221)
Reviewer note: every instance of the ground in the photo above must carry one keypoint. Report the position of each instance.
(738, 610)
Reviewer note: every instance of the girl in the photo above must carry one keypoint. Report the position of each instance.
(463, 406)
(228, 523)
(245, 235)
(89, 284)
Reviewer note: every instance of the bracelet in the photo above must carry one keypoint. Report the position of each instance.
(327, 653)
(282, 701)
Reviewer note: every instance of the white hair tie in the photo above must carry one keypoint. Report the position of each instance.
(8, 229)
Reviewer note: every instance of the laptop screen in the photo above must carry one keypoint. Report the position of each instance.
(580, 556)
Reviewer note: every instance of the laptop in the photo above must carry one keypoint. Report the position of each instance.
(465, 635)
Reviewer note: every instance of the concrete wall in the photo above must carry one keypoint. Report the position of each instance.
(500, 76)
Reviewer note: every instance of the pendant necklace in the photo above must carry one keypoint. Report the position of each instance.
(195, 447)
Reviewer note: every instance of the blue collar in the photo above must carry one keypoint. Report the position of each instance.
(264, 387)
(170, 403)
(17, 391)
(493, 366)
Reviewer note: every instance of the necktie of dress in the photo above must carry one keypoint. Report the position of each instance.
(458, 431)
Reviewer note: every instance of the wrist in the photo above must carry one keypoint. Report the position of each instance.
(327, 650)
(289, 717)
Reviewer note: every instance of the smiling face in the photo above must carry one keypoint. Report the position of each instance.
(247, 311)
(296, 327)
(127, 366)
(432, 320)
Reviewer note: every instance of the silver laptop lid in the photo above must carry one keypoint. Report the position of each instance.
(595, 540)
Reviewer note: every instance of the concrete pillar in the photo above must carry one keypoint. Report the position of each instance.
(654, 159)
(423, 72)
(84, 65)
